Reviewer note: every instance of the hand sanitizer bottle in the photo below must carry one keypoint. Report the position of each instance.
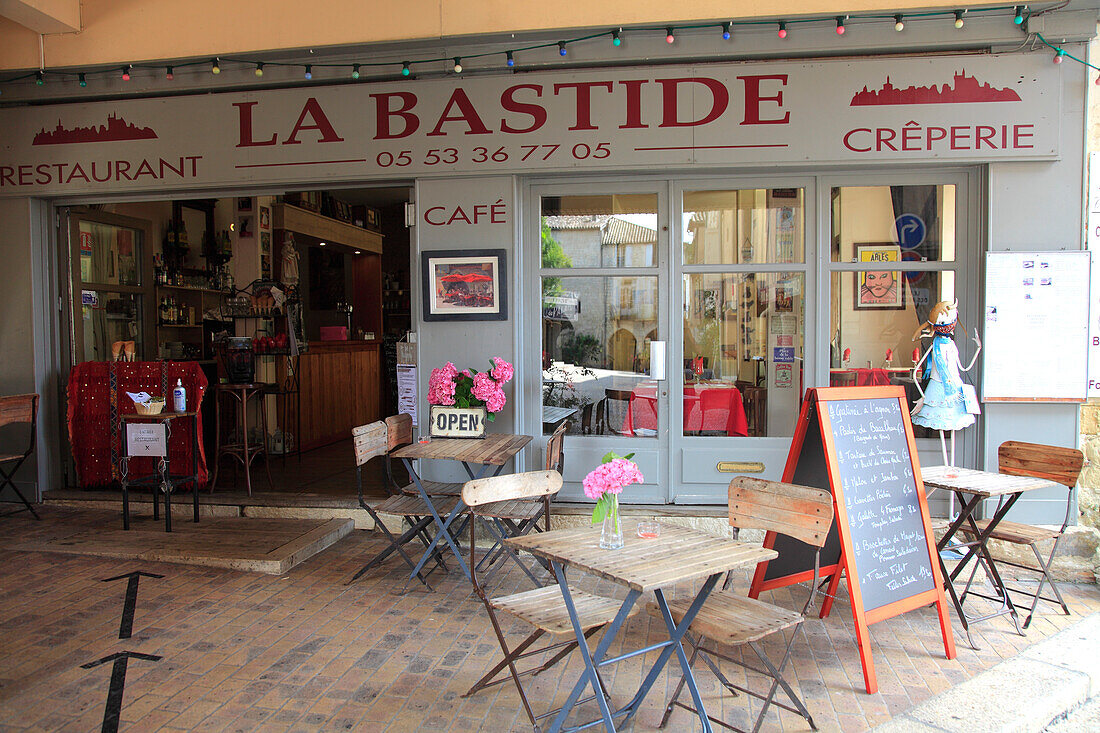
(179, 397)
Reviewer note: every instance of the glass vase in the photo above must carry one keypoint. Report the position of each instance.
(612, 536)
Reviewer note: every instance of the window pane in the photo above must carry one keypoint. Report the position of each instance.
(743, 227)
(110, 254)
(108, 318)
(599, 231)
(595, 354)
(917, 221)
(743, 353)
(872, 342)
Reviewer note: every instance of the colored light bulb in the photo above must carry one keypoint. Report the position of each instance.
(214, 67)
(726, 31)
(83, 81)
(405, 69)
(309, 71)
(670, 36)
(511, 61)
(616, 40)
(959, 23)
(840, 25)
(1058, 56)
(39, 79)
(1018, 18)
(561, 48)
(126, 73)
(899, 23)
(355, 72)
(458, 65)
(259, 70)
(782, 30)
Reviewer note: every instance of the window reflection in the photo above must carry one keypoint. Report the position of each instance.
(110, 255)
(743, 227)
(743, 353)
(919, 221)
(109, 321)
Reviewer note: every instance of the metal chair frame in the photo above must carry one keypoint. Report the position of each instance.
(770, 670)
(1039, 469)
(522, 650)
(417, 524)
(13, 410)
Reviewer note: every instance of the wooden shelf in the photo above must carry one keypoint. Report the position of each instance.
(192, 289)
(326, 229)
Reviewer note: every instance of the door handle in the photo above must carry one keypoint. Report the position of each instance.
(657, 360)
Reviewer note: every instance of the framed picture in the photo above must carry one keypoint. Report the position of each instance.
(880, 289)
(265, 217)
(265, 243)
(244, 203)
(244, 227)
(373, 219)
(464, 285)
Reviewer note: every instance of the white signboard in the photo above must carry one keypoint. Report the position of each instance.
(406, 390)
(870, 111)
(1036, 326)
(146, 439)
(1093, 239)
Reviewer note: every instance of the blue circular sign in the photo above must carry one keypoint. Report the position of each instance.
(911, 230)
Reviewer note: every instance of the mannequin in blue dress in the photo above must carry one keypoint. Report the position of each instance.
(943, 406)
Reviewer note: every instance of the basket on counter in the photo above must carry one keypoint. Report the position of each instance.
(154, 407)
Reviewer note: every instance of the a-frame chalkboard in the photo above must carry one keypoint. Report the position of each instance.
(857, 442)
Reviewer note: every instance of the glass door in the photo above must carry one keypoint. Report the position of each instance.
(746, 324)
(602, 289)
(112, 274)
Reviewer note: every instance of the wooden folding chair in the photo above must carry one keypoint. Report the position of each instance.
(516, 517)
(401, 434)
(1056, 464)
(729, 620)
(14, 410)
(379, 439)
(543, 608)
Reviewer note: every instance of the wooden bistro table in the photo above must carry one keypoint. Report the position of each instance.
(971, 487)
(495, 449)
(679, 555)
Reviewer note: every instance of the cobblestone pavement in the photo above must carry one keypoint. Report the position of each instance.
(307, 652)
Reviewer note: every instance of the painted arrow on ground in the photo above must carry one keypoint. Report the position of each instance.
(126, 626)
(118, 682)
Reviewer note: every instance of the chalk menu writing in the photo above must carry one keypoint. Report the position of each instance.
(891, 557)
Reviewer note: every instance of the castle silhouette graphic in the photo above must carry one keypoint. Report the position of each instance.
(116, 129)
(963, 89)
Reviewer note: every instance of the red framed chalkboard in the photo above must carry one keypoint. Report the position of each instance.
(857, 442)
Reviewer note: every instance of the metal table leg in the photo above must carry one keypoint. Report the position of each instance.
(444, 526)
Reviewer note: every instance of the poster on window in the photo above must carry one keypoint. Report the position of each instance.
(880, 288)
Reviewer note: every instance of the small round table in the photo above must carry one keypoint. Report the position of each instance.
(241, 450)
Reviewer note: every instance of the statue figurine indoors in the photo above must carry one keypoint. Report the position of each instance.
(289, 274)
(947, 404)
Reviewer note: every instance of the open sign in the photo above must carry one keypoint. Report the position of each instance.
(458, 422)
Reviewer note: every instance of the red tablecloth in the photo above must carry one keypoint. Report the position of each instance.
(707, 407)
(97, 396)
(864, 377)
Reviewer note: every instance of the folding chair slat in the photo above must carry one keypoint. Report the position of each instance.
(731, 619)
(413, 506)
(1014, 532)
(544, 608)
(517, 510)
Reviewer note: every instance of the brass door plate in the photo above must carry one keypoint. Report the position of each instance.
(740, 467)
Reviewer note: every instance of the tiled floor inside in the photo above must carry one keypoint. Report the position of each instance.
(307, 652)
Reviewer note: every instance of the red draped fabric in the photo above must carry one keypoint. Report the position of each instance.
(97, 396)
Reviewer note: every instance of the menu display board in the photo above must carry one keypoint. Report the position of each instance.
(857, 442)
(1036, 315)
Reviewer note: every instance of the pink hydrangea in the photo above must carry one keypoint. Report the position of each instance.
(488, 391)
(611, 477)
(502, 371)
(441, 386)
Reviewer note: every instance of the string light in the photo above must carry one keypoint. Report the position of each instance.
(958, 16)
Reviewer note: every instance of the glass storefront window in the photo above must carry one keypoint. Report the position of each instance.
(871, 340)
(108, 318)
(748, 226)
(109, 254)
(615, 230)
(743, 353)
(595, 340)
(893, 223)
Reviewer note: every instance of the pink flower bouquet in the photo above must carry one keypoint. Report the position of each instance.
(468, 388)
(606, 481)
